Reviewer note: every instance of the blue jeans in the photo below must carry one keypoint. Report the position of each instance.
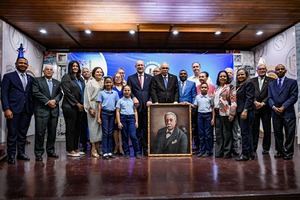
(205, 132)
(129, 130)
(108, 121)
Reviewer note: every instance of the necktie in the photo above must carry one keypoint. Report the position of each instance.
(141, 81)
(23, 80)
(279, 82)
(50, 86)
(168, 134)
(260, 82)
(166, 82)
(182, 87)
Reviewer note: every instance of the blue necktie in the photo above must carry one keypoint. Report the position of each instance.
(50, 86)
(166, 82)
(279, 82)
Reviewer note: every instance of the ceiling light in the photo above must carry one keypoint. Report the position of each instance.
(259, 33)
(132, 32)
(43, 31)
(175, 32)
(218, 33)
(87, 31)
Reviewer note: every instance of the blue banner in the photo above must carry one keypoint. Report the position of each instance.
(110, 62)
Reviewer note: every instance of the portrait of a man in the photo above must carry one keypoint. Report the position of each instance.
(170, 139)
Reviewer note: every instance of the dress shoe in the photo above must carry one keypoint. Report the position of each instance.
(265, 152)
(11, 160)
(23, 157)
(252, 156)
(242, 158)
(200, 154)
(207, 155)
(39, 158)
(52, 155)
(278, 155)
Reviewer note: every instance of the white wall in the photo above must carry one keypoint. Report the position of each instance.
(11, 40)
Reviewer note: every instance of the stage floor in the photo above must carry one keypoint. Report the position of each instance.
(150, 178)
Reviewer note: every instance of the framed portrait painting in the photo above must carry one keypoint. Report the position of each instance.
(169, 130)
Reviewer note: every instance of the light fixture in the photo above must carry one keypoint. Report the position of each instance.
(132, 32)
(43, 31)
(259, 32)
(175, 32)
(87, 31)
(218, 33)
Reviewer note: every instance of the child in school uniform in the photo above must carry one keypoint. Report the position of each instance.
(127, 120)
(107, 99)
(205, 121)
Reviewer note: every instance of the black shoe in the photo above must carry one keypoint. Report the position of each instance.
(200, 154)
(252, 156)
(52, 155)
(290, 157)
(242, 158)
(219, 156)
(278, 155)
(206, 155)
(265, 152)
(11, 160)
(23, 157)
(38, 158)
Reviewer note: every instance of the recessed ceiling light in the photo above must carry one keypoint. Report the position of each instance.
(132, 32)
(175, 32)
(218, 33)
(87, 31)
(259, 33)
(43, 31)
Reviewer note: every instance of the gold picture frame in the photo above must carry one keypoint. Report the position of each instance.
(177, 145)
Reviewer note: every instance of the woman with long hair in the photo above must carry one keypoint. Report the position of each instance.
(245, 112)
(73, 87)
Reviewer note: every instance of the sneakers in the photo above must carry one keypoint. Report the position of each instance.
(73, 154)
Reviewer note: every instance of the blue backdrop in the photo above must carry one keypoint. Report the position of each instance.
(110, 62)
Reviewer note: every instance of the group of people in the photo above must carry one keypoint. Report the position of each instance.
(108, 111)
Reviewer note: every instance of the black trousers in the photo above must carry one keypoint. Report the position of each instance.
(283, 145)
(223, 131)
(246, 132)
(195, 134)
(84, 134)
(142, 130)
(73, 120)
(265, 116)
(42, 124)
(17, 128)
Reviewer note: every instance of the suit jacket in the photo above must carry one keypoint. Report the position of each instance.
(177, 143)
(262, 95)
(160, 94)
(285, 96)
(189, 92)
(41, 94)
(72, 92)
(13, 95)
(245, 95)
(142, 94)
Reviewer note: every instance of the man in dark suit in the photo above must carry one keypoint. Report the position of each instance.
(17, 106)
(262, 109)
(140, 87)
(47, 94)
(164, 87)
(170, 139)
(283, 94)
